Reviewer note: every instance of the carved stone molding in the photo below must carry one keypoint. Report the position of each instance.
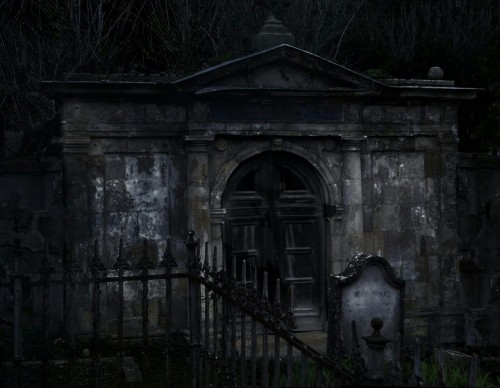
(353, 144)
(198, 143)
(75, 145)
(217, 216)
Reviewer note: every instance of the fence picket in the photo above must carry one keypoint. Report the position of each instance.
(265, 339)
(215, 321)
(168, 263)
(243, 329)
(289, 348)
(277, 344)
(253, 349)
(95, 267)
(45, 273)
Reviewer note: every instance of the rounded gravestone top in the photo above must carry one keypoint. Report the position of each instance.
(435, 73)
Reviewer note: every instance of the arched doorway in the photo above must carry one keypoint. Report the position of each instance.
(274, 221)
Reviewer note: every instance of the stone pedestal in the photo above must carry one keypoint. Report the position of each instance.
(376, 345)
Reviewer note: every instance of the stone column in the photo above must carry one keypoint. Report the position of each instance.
(96, 171)
(335, 253)
(352, 198)
(197, 191)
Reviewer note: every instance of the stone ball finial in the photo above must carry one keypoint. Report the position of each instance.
(435, 73)
(377, 323)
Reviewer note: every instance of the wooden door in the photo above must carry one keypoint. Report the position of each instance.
(274, 222)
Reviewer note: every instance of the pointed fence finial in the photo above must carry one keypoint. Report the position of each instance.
(96, 264)
(120, 263)
(190, 243)
(46, 267)
(168, 259)
(145, 262)
(193, 248)
(206, 264)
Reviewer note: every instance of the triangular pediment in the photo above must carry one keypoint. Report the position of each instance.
(280, 67)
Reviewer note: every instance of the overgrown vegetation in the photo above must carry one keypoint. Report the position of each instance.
(47, 39)
(74, 366)
(452, 375)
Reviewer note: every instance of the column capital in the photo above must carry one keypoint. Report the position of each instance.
(352, 144)
(198, 143)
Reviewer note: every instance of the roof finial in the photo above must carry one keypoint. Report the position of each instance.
(273, 33)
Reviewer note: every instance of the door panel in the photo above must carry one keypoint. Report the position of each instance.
(300, 269)
(274, 223)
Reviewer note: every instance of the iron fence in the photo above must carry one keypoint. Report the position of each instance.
(235, 333)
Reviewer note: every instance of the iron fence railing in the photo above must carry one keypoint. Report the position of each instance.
(235, 332)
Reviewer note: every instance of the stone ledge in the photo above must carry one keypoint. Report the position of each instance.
(417, 82)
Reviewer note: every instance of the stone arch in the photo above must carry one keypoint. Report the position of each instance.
(330, 184)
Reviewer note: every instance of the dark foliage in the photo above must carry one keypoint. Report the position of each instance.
(48, 39)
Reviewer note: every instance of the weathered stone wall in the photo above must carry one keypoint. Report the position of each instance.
(393, 176)
(409, 218)
(136, 170)
(146, 169)
(125, 169)
(479, 245)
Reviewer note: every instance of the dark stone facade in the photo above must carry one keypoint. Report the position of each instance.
(151, 159)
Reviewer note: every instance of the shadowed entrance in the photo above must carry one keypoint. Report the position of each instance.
(275, 223)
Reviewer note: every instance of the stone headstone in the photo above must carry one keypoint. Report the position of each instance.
(366, 289)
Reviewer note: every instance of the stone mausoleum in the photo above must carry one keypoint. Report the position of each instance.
(281, 158)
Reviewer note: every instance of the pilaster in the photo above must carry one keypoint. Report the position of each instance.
(335, 257)
(76, 221)
(352, 198)
(197, 191)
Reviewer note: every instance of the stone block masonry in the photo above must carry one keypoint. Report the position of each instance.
(374, 167)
